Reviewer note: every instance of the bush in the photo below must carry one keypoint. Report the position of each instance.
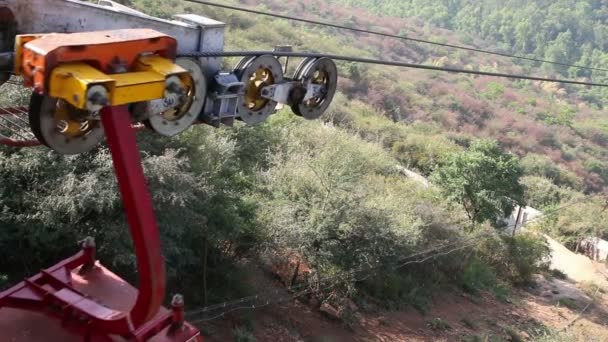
(541, 193)
(243, 334)
(422, 152)
(557, 337)
(399, 290)
(542, 166)
(517, 258)
(477, 275)
(438, 324)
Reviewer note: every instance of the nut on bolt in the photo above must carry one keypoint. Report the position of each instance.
(177, 308)
(97, 98)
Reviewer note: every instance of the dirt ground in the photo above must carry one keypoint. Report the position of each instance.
(574, 305)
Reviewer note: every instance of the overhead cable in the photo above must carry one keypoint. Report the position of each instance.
(383, 34)
(387, 63)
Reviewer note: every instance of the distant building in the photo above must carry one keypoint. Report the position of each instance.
(520, 217)
(594, 248)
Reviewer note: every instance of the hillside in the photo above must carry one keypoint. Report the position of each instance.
(318, 204)
(560, 136)
(529, 119)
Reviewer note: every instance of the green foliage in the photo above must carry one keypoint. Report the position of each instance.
(542, 193)
(493, 91)
(582, 219)
(538, 165)
(529, 254)
(516, 258)
(243, 334)
(557, 337)
(422, 152)
(49, 202)
(398, 290)
(484, 180)
(569, 303)
(476, 276)
(514, 335)
(438, 324)
(564, 117)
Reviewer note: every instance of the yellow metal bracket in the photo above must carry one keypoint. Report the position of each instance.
(71, 81)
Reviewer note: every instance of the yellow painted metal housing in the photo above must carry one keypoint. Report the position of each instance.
(71, 81)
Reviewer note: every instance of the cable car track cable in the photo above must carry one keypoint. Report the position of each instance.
(386, 63)
(389, 35)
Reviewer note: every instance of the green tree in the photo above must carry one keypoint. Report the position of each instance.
(484, 180)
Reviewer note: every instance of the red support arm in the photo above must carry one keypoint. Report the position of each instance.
(140, 213)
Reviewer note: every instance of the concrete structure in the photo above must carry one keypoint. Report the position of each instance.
(521, 217)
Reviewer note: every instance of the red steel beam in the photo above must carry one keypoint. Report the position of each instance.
(137, 202)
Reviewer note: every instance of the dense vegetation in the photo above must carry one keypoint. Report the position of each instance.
(334, 191)
(565, 31)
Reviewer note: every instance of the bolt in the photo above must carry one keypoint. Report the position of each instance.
(177, 308)
(88, 247)
(88, 242)
(97, 98)
(177, 301)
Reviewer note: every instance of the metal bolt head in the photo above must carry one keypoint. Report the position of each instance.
(88, 242)
(177, 301)
(97, 98)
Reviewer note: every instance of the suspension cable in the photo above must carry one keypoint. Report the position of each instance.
(387, 63)
(378, 33)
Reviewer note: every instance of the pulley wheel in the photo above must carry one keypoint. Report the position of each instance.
(62, 127)
(303, 64)
(321, 73)
(242, 63)
(256, 74)
(178, 119)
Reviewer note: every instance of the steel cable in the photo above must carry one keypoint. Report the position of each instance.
(386, 63)
(377, 33)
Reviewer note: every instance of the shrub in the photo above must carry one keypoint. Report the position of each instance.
(493, 91)
(477, 275)
(542, 166)
(438, 324)
(540, 192)
(556, 337)
(514, 335)
(422, 152)
(396, 291)
(517, 258)
(243, 334)
(529, 254)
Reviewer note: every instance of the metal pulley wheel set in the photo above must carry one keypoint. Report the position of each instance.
(75, 76)
(309, 92)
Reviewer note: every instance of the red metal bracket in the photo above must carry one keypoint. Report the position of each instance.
(52, 292)
(140, 212)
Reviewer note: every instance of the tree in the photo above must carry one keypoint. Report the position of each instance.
(484, 180)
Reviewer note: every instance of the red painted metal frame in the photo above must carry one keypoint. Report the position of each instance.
(17, 142)
(51, 290)
(140, 212)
